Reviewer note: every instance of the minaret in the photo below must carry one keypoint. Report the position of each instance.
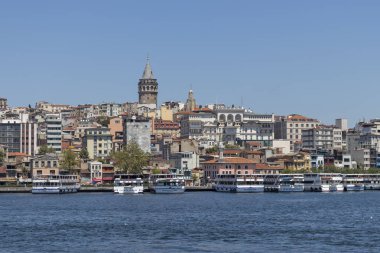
(190, 103)
(148, 86)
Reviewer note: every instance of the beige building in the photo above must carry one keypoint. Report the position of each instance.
(98, 142)
(47, 164)
(290, 128)
(116, 127)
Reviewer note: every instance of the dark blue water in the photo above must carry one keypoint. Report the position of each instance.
(191, 222)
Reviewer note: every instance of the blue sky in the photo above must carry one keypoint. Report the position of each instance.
(318, 58)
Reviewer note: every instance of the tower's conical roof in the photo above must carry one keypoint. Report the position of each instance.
(148, 73)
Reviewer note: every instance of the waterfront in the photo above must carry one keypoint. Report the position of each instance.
(191, 222)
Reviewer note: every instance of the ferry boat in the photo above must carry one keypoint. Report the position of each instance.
(271, 183)
(240, 183)
(312, 182)
(55, 184)
(128, 183)
(291, 183)
(353, 182)
(371, 181)
(331, 182)
(167, 183)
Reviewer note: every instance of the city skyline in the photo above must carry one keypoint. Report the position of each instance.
(315, 59)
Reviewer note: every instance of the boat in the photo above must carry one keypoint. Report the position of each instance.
(371, 182)
(271, 182)
(291, 183)
(167, 183)
(239, 183)
(55, 184)
(353, 182)
(331, 182)
(312, 182)
(128, 184)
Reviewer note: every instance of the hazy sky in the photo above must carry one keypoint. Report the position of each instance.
(318, 58)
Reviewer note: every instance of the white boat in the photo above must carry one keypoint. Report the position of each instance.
(55, 184)
(371, 181)
(353, 182)
(239, 183)
(291, 183)
(128, 184)
(331, 182)
(167, 183)
(253, 183)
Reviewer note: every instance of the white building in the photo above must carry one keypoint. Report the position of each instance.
(317, 161)
(342, 124)
(54, 132)
(184, 162)
(322, 138)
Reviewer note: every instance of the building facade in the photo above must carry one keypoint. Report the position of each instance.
(322, 138)
(18, 136)
(54, 132)
(139, 130)
(290, 128)
(98, 142)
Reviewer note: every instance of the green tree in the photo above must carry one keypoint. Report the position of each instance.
(69, 161)
(131, 159)
(156, 171)
(44, 149)
(2, 157)
(212, 150)
(103, 120)
(229, 146)
(83, 154)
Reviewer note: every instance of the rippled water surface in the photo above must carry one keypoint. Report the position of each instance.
(191, 222)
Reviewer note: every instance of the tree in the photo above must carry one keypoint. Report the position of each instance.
(131, 159)
(44, 149)
(212, 150)
(69, 161)
(156, 171)
(103, 120)
(83, 154)
(2, 157)
(229, 146)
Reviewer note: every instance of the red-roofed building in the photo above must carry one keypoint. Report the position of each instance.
(227, 165)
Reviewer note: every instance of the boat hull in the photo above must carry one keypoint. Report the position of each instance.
(291, 188)
(168, 190)
(354, 187)
(128, 189)
(53, 190)
(249, 189)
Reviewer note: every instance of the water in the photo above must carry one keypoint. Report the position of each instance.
(191, 222)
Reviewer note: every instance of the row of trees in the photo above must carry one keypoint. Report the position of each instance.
(130, 160)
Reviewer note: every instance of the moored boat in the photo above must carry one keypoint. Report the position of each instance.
(55, 184)
(239, 183)
(353, 182)
(167, 183)
(331, 182)
(291, 183)
(128, 184)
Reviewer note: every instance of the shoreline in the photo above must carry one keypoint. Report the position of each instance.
(23, 189)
